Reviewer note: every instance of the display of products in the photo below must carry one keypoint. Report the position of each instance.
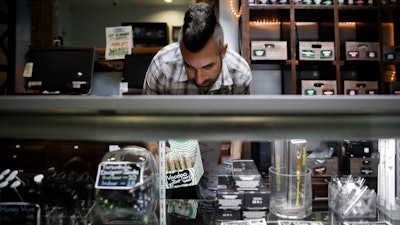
(127, 186)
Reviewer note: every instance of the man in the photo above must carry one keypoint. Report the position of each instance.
(200, 63)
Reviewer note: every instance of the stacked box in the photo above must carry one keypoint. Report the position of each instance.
(227, 215)
(360, 166)
(183, 171)
(391, 53)
(318, 87)
(228, 196)
(394, 88)
(362, 50)
(243, 191)
(269, 50)
(257, 200)
(323, 166)
(309, 50)
(352, 87)
(246, 175)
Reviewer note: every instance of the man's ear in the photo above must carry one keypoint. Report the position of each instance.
(224, 50)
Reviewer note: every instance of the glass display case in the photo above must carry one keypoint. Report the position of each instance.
(213, 118)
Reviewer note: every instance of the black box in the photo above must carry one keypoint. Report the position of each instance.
(224, 215)
(257, 200)
(228, 196)
(246, 175)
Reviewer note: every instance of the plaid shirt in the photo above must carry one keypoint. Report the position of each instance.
(166, 75)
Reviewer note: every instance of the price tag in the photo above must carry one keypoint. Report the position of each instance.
(19, 213)
(299, 222)
(119, 175)
(261, 221)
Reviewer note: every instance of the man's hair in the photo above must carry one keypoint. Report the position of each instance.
(200, 24)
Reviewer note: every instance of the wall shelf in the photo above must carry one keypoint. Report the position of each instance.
(369, 26)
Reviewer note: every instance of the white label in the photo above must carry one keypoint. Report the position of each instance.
(28, 69)
(34, 83)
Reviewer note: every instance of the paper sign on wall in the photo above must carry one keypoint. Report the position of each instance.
(119, 42)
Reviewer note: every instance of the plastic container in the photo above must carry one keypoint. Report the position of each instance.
(291, 194)
(127, 186)
(359, 204)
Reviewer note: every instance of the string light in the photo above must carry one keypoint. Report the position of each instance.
(265, 22)
(236, 14)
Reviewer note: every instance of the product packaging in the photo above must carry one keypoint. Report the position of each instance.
(127, 186)
(184, 166)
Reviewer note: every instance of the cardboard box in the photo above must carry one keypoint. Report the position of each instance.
(352, 87)
(394, 87)
(391, 53)
(360, 166)
(316, 50)
(323, 166)
(269, 50)
(186, 177)
(318, 87)
(246, 175)
(362, 50)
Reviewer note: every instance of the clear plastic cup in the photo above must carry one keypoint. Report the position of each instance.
(291, 193)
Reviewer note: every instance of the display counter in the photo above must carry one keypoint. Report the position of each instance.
(214, 118)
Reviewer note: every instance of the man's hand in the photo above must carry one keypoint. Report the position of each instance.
(236, 149)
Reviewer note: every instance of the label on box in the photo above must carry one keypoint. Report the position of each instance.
(230, 201)
(391, 53)
(256, 200)
(310, 91)
(119, 175)
(353, 54)
(299, 222)
(186, 177)
(186, 208)
(227, 215)
(307, 53)
(179, 178)
(19, 213)
(254, 214)
(260, 221)
(244, 169)
(245, 175)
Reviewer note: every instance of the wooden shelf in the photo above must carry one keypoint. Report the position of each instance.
(368, 20)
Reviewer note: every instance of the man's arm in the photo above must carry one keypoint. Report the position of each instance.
(236, 149)
(152, 146)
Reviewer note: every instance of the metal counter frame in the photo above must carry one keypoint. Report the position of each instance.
(254, 117)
